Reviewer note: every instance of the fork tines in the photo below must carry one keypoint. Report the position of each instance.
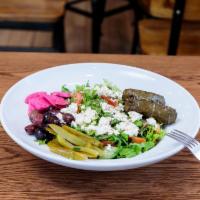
(183, 138)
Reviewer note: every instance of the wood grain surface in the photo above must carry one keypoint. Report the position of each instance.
(24, 176)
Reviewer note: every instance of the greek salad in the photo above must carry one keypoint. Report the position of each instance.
(92, 122)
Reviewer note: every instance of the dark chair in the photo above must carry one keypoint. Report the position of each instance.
(97, 15)
(44, 15)
(159, 24)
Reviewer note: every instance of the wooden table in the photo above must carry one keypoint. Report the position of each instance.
(24, 176)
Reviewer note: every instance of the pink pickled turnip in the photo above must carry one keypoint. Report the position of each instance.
(41, 100)
(34, 95)
(61, 94)
(55, 101)
(39, 103)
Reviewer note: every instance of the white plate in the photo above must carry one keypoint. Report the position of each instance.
(14, 112)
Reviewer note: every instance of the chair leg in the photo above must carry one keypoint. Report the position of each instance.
(98, 7)
(176, 27)
(59, 35)
(138, 15)
(136, 38)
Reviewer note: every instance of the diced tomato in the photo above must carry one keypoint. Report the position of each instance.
(138, 139)
(106, 142)
(110, 101)
(78, 97)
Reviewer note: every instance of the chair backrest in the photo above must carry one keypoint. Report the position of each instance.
(31, 10)
(164, 8)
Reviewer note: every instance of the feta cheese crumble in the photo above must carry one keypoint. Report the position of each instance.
(104, 90)
(108, 147)
(128, 127)
(85, 117)
(72, 109)
(151, 121)
(60, 117)
(120, 116)
(107, 108)
(111, 109)
(103, 127)
(134, 116)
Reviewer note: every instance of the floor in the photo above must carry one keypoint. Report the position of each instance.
(116, 33)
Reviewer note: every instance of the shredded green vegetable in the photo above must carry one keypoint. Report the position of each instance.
(122, 145)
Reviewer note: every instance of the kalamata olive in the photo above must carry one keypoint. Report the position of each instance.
(30, 129)
(50, 118)
(42, 134)
(49, 136)
(36, 117)
(68, 118)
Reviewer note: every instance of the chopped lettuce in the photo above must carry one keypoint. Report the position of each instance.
(40, 142)
(138, 123)
(64, 89)
(110, 153)
(114, 122)
(114, 88)
(129, 151)
(151, 134)
(134, 149)
(90, 97)
(118, 140)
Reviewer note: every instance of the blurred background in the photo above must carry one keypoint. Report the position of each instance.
(151, 27)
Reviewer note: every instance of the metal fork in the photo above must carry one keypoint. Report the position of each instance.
(192, 144)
